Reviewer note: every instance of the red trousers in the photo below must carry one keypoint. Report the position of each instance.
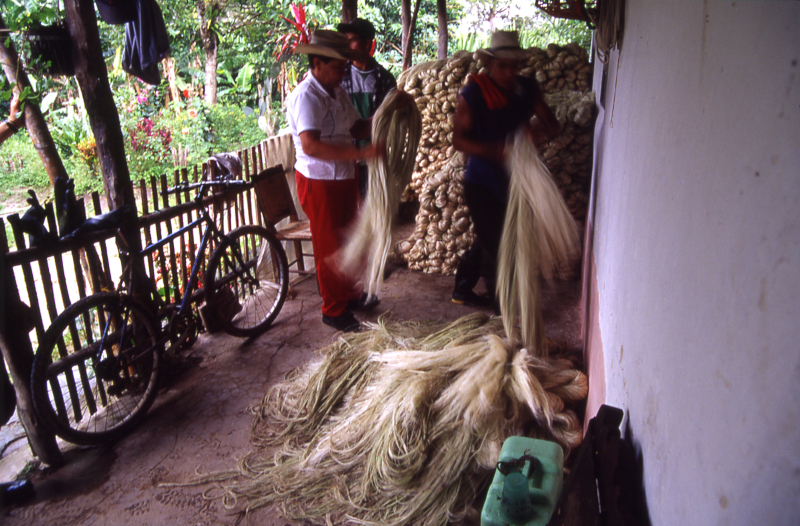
(330, 206)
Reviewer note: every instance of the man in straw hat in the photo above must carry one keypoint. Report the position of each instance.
(324, 123)
(490, 107)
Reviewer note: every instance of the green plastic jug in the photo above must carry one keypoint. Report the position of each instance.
(526, 485)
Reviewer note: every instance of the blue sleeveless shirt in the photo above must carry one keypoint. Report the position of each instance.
(494, 126)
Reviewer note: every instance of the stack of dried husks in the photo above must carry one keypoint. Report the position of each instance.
(444, 230)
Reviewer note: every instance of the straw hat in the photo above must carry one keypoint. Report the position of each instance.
(327, 43)
(504, 46)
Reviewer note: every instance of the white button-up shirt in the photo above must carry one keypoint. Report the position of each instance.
(310, 107)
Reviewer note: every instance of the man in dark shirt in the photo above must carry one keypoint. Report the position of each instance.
(490, 108)
(366, 81)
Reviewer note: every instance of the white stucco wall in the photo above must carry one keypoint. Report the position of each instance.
(697, 250)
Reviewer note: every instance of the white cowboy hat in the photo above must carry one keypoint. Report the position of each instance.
(327, 43)
(504, 46)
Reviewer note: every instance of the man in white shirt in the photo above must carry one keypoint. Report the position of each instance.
(323, 123)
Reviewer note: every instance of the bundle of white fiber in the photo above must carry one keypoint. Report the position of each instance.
(401, 425)
(539, 236)
(398, 124)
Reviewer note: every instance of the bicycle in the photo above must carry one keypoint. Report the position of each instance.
(97, 370)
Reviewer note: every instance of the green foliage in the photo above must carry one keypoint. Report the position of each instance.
(22, 14)
(20, 165)
(158, 135)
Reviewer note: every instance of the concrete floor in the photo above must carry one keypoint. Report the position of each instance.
(200, 420)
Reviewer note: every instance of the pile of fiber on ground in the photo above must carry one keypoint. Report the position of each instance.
(401, 424)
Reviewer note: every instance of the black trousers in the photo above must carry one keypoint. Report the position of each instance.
(488, 214)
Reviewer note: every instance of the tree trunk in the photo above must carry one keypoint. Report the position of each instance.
(92, 76)
(34, 121)
(169, 71)
(349, 10)
(405, 23)
(408, 40)
(441, 14)
(210, 46)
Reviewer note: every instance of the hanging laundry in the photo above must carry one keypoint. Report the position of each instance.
(146, 42)
(116, 11)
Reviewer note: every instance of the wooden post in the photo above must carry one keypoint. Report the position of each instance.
(17, 351)
(349, 10)
(92, 75)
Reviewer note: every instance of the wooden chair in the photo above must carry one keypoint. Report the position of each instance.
(276, 203)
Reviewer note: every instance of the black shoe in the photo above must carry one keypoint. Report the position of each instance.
(472, 299)
(364, 303)
(344, 322)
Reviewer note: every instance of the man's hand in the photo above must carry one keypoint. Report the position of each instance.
(373, 151)
(404, 99)
(15, 117)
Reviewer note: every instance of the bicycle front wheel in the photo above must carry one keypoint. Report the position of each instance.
(96, 372)
(247, 280)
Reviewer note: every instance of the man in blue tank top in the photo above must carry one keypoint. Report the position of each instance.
(490, 108)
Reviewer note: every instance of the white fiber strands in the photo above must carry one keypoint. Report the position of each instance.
(400, 425)
(398, 125)
(539, 237)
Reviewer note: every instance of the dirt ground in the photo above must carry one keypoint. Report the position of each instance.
(200, 420)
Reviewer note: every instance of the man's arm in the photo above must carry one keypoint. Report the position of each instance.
(462, 124)
(13, 124)
(546, 117)
(313, 147)
(362, 129)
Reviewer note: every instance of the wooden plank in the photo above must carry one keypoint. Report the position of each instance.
(191, 217)
(103, 248)
(146, 229)
(52, 312)
(175, 286)
(183, 254)
(60, 274)
(27, 273)
(159, 254)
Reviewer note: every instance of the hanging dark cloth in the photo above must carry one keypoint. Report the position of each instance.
(116, 11)
(146, 42)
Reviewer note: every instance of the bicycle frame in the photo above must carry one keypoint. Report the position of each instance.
(210, 230)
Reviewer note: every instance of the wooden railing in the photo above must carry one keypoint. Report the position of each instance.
(50, 279)
(36, 284)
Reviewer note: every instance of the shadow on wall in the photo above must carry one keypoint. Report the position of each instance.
(638, 494)
(605, 486)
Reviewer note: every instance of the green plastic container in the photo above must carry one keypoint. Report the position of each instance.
(528, 493)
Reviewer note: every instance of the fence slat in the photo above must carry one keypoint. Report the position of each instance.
(168, 225)
(108, 282)
(159, 254)
(59, 262)
(184, 258)
(191, 216)
(146, 229)
(27, 273)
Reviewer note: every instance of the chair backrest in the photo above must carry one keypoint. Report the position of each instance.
(274, 195)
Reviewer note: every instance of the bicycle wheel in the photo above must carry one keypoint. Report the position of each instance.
(96, 372)
(247, 280)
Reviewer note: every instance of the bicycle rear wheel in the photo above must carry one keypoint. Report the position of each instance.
(247, 280)
(96, 372)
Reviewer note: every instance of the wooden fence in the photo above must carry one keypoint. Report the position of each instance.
(52, 278)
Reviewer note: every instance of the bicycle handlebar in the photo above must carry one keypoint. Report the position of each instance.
(205, 184)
